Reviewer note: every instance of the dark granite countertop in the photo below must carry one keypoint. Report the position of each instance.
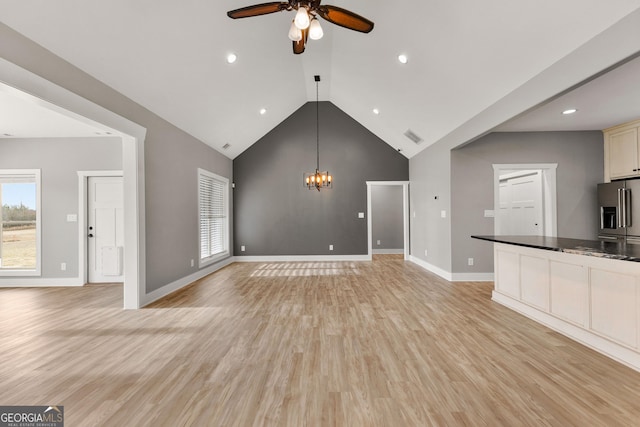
(597, 248)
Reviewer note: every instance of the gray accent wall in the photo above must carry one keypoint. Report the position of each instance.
(579, 156)
(275, 215)
(59, 160)
(171, 159)
(386, 217)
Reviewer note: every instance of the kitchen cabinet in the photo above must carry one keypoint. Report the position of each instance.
(586, 290)
(622, 151)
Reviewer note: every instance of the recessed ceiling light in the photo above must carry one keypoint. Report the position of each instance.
(263, 111)
(403, 58)
(569, 111)
(231, 58)
(376, 111)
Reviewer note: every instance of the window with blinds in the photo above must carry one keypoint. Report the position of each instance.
(213, 196)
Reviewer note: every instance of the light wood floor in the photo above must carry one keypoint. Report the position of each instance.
(294, 344)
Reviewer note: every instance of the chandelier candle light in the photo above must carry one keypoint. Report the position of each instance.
(318, 179)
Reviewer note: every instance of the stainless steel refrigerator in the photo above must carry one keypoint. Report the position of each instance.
(619, 204)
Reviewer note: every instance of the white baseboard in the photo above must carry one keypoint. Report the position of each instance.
(184, 281)
(452, 277)
(298, 258)
(39, 282)
(387, 251)
(473, 277)
(432, 268)
(615, 351)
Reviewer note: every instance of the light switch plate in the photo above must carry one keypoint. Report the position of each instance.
(72, 218)
(489, 213)
(360, 214)
(443, 214)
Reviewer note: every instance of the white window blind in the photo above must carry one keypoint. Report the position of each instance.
(212, 195)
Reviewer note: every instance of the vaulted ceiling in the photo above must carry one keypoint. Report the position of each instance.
(170, 57)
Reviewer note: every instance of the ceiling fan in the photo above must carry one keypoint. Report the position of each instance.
(305, 24)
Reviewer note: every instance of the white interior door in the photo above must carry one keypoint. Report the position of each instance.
(105, 234)
(521, 205)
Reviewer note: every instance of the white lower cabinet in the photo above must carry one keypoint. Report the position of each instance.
(535, 281)
(593, 300)
(569, 292)
(614, 306)
(507, 267)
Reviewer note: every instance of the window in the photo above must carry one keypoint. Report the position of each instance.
(213, 208)
(19, 222)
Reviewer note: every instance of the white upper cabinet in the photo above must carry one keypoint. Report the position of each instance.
(621, 151)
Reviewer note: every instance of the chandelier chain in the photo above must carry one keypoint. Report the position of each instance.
(317, 128)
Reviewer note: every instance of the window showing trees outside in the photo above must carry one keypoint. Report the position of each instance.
(18, 220)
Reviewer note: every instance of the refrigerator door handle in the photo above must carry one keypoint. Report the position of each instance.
(627, 208)
(619, 210)
(624, 207)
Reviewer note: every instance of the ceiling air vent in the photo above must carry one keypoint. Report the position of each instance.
(225, 146)
(412, 136)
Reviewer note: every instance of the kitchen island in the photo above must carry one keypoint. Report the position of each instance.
(587, 290)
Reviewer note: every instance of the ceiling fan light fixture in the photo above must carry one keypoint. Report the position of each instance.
(295, 34)
(315, 30)
(302, 18)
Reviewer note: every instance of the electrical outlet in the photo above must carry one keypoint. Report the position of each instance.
(63, 266)
(378, 242)
(330, 247)
(193, 263)
(242, 248)
(425, 252)
(443, 214)
(470, 261)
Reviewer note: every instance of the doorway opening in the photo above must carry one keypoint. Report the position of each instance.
(132, 135)
(398, 212)
(525, 199)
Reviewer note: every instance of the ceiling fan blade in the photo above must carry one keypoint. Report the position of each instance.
(258, 9)
(345, 18)
(298, 47)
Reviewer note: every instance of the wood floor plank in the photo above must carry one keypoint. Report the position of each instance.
(380, 343)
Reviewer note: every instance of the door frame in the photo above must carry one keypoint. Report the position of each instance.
(63, 101)
(405, 215)
(83, 209)
(548, 187)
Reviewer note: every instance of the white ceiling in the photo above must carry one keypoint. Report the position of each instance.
(608, 100)
(169, 56)
(23, 116)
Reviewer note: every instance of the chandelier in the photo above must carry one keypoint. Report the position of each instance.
(318, 179)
